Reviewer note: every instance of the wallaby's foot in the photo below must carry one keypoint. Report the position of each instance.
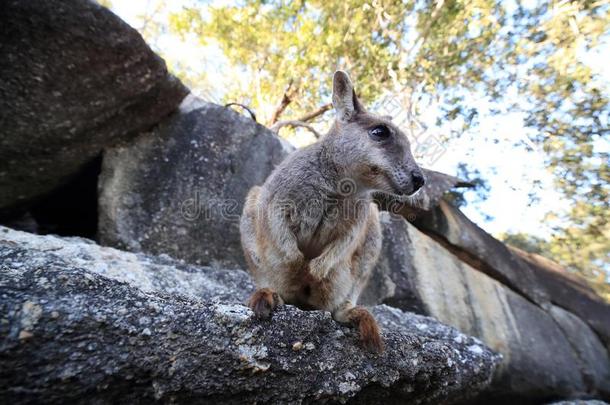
(368, 328)
(263, 302)
(365, 322)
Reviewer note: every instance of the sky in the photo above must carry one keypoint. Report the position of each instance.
(510, 165)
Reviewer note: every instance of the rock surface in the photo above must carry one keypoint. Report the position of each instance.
(533, 280)
(593, 358)
(75, 79)
(547, 354)
(84, 323)
(180, 189)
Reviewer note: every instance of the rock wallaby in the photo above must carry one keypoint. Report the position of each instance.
(311, 232)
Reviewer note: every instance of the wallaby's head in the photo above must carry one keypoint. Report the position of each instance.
(368, 148)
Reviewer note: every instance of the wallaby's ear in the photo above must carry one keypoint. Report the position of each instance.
(344, 97)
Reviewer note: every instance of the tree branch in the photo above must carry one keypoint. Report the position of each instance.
(294, 123)
(252, 115)
(286, 100)
(314, 114)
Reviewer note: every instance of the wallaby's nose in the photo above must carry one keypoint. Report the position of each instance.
(418, 180)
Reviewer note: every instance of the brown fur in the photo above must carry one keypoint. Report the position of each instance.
(263, 302)
(367, 326)
(311, 233)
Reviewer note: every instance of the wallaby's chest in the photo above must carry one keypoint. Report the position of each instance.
(317, 232)
(312, 244)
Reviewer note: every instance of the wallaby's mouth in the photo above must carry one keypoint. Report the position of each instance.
(398, 192)
(407, 191)
(402, 194)
(410, 194)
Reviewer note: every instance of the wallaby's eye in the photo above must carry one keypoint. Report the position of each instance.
(379, 133)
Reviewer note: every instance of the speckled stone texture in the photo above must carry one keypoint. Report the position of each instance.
(83, 323)
(75, 79)
(180, 189)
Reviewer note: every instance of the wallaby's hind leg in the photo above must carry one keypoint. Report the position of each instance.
(367, 326)
(263, 302)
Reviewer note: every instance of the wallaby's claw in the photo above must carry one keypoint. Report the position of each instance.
(263, 302)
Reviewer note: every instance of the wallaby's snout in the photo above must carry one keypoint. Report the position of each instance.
(408, 180)
(418, 180)
(373, 151)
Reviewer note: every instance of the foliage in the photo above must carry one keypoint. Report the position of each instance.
(570, 111)
(528, 243)
(481, 187)
(287, 47)
(105, 3)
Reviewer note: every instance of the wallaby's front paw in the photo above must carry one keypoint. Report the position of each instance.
(263, 302)
(369, 330)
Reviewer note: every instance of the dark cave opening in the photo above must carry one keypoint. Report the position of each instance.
(69, 210)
